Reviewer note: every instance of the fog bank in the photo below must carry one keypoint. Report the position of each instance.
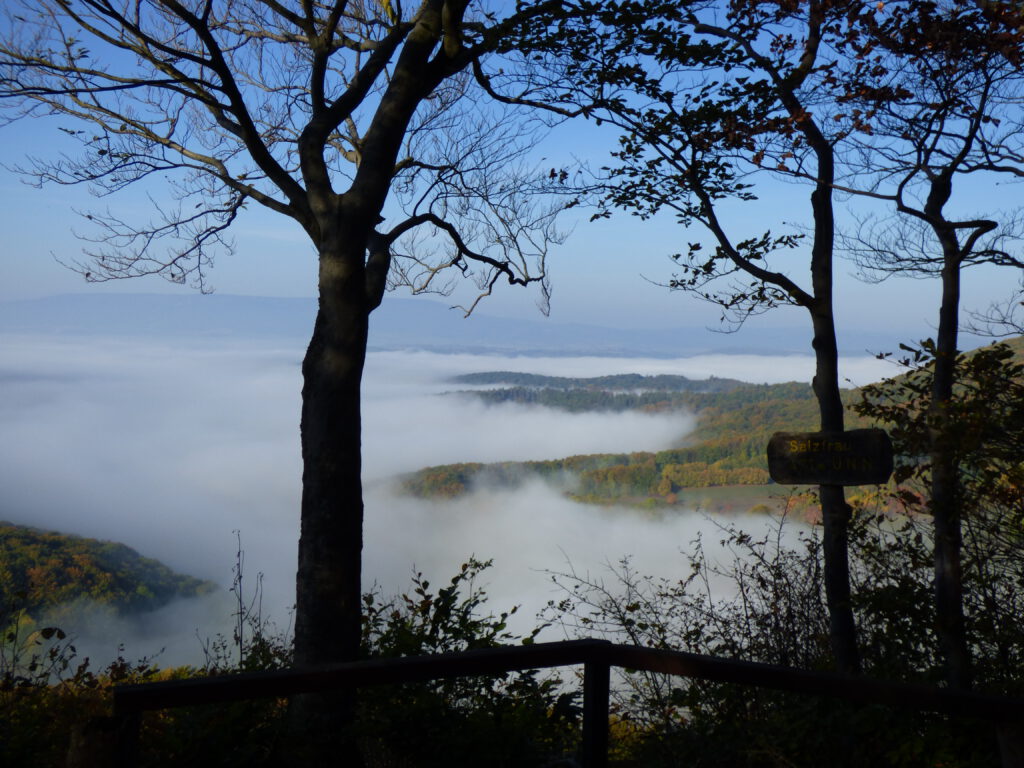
(170, 448)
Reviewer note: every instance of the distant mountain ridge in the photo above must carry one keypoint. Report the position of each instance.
(400, 323)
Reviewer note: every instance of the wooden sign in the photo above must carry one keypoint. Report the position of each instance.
(856, 457)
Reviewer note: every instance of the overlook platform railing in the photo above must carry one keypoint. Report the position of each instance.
(597, 658)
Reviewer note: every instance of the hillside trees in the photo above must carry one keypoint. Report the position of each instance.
(359, 121)
(705, 95)
(40, 570)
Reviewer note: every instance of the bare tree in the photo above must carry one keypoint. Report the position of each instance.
(940, 99)
(362, 121)
(1000, 318)
(709, 97)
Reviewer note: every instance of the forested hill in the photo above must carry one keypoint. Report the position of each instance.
(727, 448)
(42, 569)
(588, 398)
(626, 382)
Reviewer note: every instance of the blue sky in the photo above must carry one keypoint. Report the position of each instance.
(604, 273)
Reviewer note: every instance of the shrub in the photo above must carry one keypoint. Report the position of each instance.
(768, 606)
(516, 719)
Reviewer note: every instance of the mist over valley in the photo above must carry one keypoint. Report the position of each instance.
(170, 445)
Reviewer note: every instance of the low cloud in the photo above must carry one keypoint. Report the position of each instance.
(173, 635)
(529, 532)
(170, 449)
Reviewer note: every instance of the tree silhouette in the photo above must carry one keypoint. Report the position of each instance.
(939, 105)
(371, 124)
(707, 97)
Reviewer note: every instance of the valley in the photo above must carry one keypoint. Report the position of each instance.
(720, 466)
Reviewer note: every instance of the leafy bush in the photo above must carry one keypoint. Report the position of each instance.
(516, 719)
(773, 611)
(52, 703)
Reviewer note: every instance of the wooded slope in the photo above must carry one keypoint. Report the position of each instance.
(734, 422)
(42, 569)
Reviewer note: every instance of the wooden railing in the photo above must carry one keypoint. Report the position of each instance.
(597, 658)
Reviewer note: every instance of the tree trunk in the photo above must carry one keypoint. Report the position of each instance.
(327, 625)
(945, 488)
(328, 613)
(835, 512)
(328, 584)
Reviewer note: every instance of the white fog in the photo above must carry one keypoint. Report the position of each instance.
(170, 448)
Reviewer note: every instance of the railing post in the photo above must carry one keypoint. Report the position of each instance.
(1011, 744)
(128, 725)
(596, 684)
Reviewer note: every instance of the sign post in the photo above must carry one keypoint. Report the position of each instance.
(856, 457)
